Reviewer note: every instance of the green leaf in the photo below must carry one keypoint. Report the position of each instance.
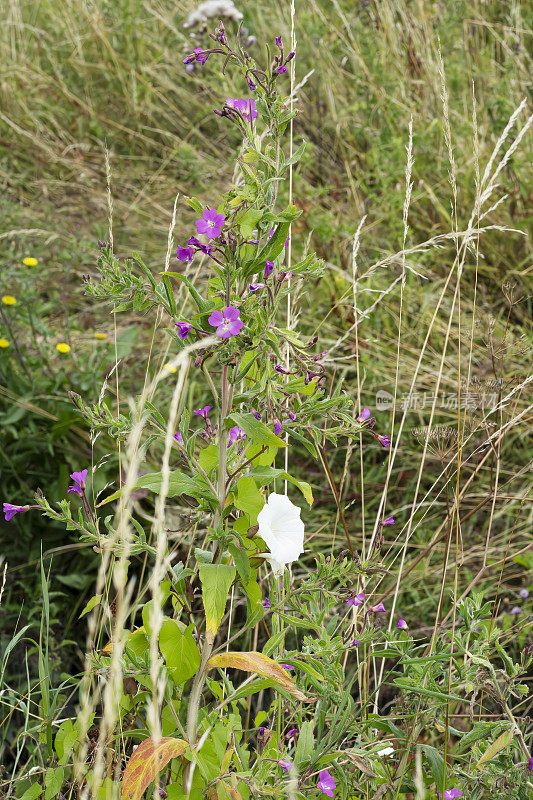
(306, 743)
(265, 475)
(216, 582)
(180, 651)
(242, 562)
(297, 155)
(249, 499)
(208, 458)
(254, 605)
(436, 765)
(248, 221)
(256, 430)
(178, 484)
(94, 601)
(32, 792)
(53, 781)
(202, 305)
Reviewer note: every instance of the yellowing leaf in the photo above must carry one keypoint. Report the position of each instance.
(493, 749)
(146, 762)
(263, 665)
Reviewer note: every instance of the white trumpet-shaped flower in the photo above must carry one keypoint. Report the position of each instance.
(282, 530)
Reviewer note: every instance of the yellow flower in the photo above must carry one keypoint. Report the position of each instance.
(63, 348)
(9, 300)
(100, 335)
(169, 368)
(30, 261)
(4, 343)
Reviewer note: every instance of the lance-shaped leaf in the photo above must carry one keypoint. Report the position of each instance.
(493, 749)
(255, 430)
(216, 582)
(263, 665)
(146, 762)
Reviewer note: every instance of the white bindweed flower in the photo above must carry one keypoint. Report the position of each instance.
(282, 530)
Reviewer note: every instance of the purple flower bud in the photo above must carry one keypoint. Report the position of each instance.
(266, 604)
(256, 414)
(269, 266)
(402, 624)
(290, 56)
(278, 41)
(285, 765)
(184, 328)
(379, 608)
(255, 287)
(278, 428)
(287, 666)
(281, 69)
(283, 371)
(291, 733)
(387, 521)
(178, 437)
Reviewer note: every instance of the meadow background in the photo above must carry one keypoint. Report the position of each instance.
(79, 80)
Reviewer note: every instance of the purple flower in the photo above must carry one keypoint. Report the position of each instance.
(236, 433)
(530, 765)
(356, 600)
(10, 510)
(178, 437)
(269, 266)
(203, 412)
(255, 287)
(226, 322)
(355, 642)
(387, 521)
(201, 55)
(266, 604)
(326, 783)
(256, 414)
(524, 594)
(244, 107)
(287, 240)
(287, 666)
(79, 479)
(451, 794)
(402, 624)
(292, 415)
(365, 414)
(383, 440)
(205, 248)
(291, 733)
(185, 254)
(285, 765)
(211, 223)
(379, 608)
(516, 610)
(278, 427)
(184, 329)
(281, 69)
(278, 41)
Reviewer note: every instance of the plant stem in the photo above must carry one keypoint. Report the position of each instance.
(207, 649)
